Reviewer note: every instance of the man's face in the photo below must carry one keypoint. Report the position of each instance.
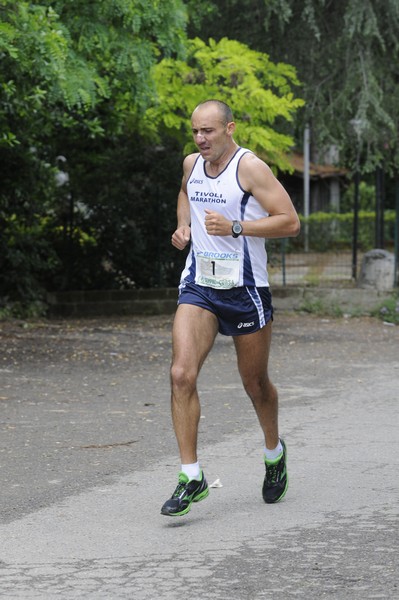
(211, 135)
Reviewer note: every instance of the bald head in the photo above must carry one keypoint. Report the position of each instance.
(224, 110)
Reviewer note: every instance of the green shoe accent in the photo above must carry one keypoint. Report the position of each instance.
(275, 484)
(186, 492)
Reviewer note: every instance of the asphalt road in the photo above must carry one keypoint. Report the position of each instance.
(87, 458)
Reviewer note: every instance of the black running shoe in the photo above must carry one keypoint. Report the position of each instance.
(184, 495)
(275, 484)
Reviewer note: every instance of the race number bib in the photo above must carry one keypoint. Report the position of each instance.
(220, 270)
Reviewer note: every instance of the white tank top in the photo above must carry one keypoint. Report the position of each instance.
(223, 262)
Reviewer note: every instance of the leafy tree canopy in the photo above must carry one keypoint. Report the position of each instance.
(346, 53)
(258, 91)
(69, 58)
(71, 74)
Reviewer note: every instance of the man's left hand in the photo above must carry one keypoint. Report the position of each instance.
(216, 224)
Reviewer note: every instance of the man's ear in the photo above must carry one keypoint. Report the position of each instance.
(230, 128)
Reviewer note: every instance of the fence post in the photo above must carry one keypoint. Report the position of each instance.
(306, 183)
(379, 208)
(355, 224)
(283, 244)
(358, 126)
(396, 236)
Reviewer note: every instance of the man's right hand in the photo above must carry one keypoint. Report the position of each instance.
(181, 237)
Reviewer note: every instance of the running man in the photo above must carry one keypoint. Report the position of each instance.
(228, 204)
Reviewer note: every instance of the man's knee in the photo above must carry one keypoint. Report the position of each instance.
(252, 386)
(259, 386)
(183, 378)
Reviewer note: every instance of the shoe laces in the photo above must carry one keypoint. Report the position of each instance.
(181, 486)
(272, 473)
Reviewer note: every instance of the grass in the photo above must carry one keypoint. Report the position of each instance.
(388, 311)
(19, 310)
(319, 308)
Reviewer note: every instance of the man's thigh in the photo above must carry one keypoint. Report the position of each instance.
(253, 351)
(194, 332)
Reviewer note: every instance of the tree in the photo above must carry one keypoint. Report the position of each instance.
(80, 54)
(346, 53)
(83, 102)
(258, 91)
(71, 73)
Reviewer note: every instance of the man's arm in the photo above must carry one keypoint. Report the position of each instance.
(257, 178)
(181, 236)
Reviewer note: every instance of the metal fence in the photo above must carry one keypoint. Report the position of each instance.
(324, 254)
(310, 268)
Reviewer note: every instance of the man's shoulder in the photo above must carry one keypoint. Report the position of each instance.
(250, 161)
(249, 157)
(188, 164)
(190, 159)
(253, 170)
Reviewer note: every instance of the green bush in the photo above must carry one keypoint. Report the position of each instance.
(334, 231)
(366, 197)
(388, 311)
(26, 258)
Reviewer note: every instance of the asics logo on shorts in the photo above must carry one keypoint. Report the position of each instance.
(240, 325)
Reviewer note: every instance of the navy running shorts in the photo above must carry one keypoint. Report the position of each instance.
(239, 310)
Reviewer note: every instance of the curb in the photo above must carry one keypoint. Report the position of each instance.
(158, 301)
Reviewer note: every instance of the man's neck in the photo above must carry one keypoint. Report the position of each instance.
(218, 165)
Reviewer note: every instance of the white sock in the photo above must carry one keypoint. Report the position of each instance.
(273, 454)
(192, 470)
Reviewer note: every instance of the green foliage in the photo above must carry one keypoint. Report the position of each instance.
(26, 258)
(39, 67)
(346, 54)
(258, 91)
(77, 78)
(388, 311)
(334, 231)
(366, 197)
(71, 73)
(83, 54)
(313, 307)
(329, 308)
(22, 310)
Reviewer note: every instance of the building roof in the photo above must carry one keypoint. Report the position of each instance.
(297, 161)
